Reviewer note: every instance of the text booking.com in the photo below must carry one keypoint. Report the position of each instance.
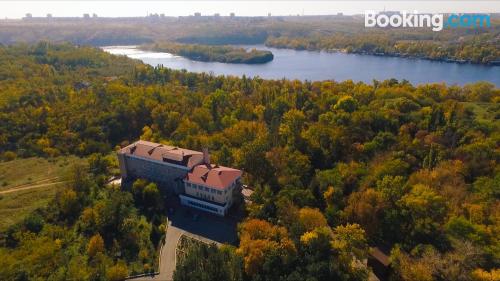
(436, 22)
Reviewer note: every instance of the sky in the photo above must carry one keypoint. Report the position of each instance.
(117, 8)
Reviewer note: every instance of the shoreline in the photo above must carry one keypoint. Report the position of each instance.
(394, 55)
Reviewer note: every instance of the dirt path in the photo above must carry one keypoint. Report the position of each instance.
(22, 187)
(50, 180)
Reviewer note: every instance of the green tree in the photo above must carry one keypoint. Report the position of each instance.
(117, 272)
(291, 126)
(424, 210)
(207, 262)
(347, 104)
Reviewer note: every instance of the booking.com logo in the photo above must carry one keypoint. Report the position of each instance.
(435, 21)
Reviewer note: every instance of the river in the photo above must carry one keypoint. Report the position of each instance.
(310, 65)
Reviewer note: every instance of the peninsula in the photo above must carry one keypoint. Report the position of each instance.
(212, 53)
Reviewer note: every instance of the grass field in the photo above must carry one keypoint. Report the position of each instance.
(28, 184)
(484, 111)
(15, 206)
(31, 171)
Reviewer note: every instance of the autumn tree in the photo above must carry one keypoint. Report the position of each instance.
(424, 212)
(207, 262)
(260, 241)
(291, 166)
(96, 245)
(68, 204)
(291, 126)
(117, 272)
(350, 239)
(366, 208)
(309, 219)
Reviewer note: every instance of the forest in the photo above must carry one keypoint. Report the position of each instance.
(211, 53)
(337, 168)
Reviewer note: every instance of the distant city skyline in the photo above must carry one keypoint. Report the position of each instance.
(18, 9)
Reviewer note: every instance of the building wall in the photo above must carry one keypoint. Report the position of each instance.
(203, 205)
(209, 193)
(171, 177)
(167, 175)
(123, 165)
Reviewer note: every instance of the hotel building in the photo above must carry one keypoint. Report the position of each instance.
(188, 173)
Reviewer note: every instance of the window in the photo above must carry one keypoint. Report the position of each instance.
(207, 189)
(219, 192)
(203, 206)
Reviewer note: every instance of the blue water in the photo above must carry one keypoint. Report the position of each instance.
(308, 65)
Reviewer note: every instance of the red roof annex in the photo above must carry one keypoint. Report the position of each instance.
(213, 176)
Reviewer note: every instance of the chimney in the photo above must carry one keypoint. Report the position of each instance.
(206, 156)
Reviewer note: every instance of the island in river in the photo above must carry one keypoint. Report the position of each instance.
(212, 53)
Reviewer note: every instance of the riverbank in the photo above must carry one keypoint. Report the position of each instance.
(476, 50)
(393, 55)
(408, 56)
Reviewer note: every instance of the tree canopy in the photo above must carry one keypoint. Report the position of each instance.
(336, 166)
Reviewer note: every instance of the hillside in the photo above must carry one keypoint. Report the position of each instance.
(336, 167)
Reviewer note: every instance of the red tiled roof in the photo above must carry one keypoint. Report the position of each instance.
(164, 153)
(214, 176)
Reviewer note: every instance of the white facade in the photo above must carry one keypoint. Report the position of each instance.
(203, 205)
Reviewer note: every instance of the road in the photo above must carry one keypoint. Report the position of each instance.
(207, 228)
(167, 255)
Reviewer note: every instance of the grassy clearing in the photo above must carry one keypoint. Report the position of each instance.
(32, 171)
(485, 111)
(15, 206)
(42, 174)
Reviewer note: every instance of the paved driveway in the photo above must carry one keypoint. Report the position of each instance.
(193, 223)
(167, 255)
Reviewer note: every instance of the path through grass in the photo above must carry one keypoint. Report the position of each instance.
(28, 184)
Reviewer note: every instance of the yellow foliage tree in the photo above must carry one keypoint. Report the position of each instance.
(350, 239)
(483, 275)
(329, 195)
(117, 272)
(96, 245)
(310, 219)
(308, 236)
(68, 202)
(258, 238)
